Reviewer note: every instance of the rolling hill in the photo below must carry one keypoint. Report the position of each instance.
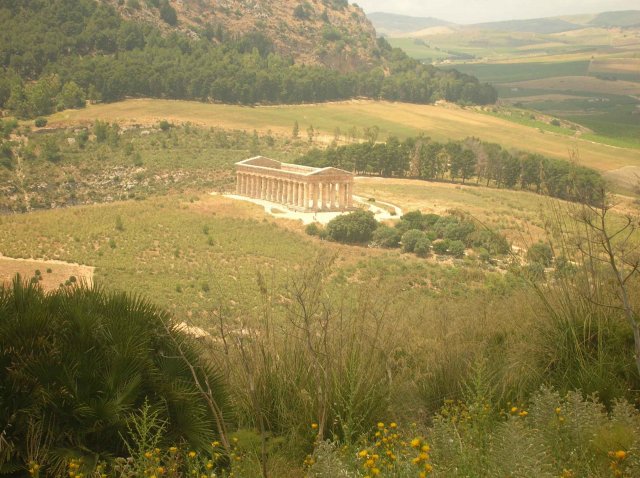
(390, 24)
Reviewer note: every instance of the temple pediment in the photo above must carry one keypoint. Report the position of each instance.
(330, 172)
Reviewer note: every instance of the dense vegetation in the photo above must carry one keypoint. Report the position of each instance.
(79, 363)
(419, 233)
(55, 54)
(462, 161)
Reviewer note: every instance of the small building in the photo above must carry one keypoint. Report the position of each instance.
(301, 188)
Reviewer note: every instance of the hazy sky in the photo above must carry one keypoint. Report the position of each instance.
(475, 11)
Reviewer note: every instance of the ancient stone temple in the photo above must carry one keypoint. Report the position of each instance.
(300, 188)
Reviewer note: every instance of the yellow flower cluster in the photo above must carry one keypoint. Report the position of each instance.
(390, 451)
(617, 462)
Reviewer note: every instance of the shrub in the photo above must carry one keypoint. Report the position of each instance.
(410, 238)
(456, 248)
(386, 236)
(354, 228)
(100, 356)
(441, 247)
(422, 247)
(168, 13)
(540, 253)
(40, 122)
(312, 229)
(164, 125)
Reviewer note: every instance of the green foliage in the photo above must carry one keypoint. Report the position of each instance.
(459, 161)
(386, 237)
(50, 151)
(540, 253)
(82, 361)
(353, 228)
(441, 246)
(92, 52)
(411, 238)
(456, 248)
(40, 122)
(422, 247)
(168, 13)
(313, 229)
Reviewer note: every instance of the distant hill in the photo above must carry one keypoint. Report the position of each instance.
(536, 25)
(628, 18)
(391, 24)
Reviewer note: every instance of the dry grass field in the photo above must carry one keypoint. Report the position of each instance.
(400, 119)
(53, 272)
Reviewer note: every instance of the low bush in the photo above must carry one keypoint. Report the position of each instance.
(354, 228)
(410, 238)
(387, 237)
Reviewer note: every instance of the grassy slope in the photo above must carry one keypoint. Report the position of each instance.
(441, 123)
(165, 253)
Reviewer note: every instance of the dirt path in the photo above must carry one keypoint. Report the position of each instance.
(60, 271)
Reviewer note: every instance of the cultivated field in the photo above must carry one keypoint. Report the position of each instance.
(401, 119)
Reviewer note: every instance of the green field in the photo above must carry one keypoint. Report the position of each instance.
(589, 63)
(498, 73)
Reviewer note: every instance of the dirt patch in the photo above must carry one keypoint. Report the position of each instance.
(60, 271)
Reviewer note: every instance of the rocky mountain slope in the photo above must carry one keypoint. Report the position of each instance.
(328, 32)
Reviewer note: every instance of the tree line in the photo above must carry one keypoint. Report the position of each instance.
(469, 160)
(57, 54)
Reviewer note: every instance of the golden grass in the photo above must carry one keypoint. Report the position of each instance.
(517, 214)
(60, 271)
(439, 122)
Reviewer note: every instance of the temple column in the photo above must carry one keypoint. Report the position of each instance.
(340, 194)
(323, 195)
(242, 181)
(306, 196)
(278, 191)
(314, 196)
(300, 195)
(269, 189)
(290, 199)
(296, 193)
(332, 195)
(334, 198)
(251, 185)
(349, 195)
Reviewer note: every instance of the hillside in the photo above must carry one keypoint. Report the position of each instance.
(333, 33)
(392, 24)
(56, 54)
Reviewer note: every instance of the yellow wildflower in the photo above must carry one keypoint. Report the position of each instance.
(523, 413)
(380, 425)
(192, 454)
(363, 453)
(393, 425)
(415, 443)
(314, 426)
